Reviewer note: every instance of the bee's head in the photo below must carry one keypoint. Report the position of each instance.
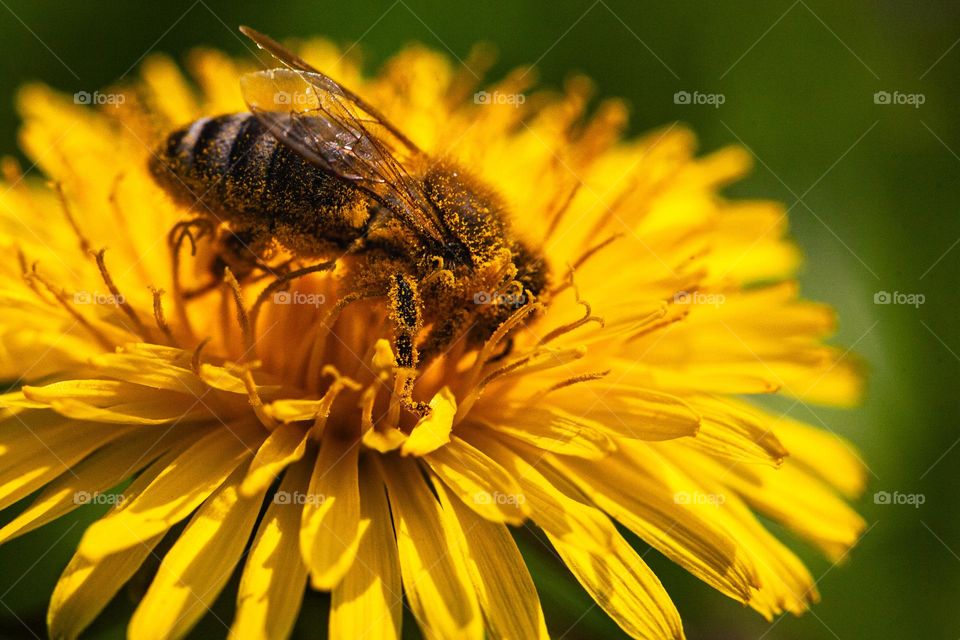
(471, 214)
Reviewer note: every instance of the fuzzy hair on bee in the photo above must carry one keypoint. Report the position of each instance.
(334, 180)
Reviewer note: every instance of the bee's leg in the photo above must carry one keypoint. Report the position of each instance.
(243, 250)
(184, 230)
(190, 294)
(189, 231)
(405, 314)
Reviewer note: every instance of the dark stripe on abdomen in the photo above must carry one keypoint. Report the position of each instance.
(232, 168)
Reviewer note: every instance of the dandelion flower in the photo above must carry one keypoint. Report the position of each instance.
(235, 433)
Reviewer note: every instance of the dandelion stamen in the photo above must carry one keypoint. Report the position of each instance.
(486, 352)
(61, 298)
(576, 324)
(580, 261)
(560, 211)
(253, 395)
(320, 340)
(175, 238)
(594, 250)
(25, 272)
(118, 298)
(339, 383)
(366, 403)
(158, 315)
(196, 361)
(279, 284)
(68, 213)
(502, 371)
(520, 366)
(569, 382)
(242, 318)
(655, 326)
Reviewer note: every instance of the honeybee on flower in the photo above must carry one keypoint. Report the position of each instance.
(389, 445)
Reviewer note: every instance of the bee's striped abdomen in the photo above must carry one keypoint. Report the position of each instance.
(232, 169)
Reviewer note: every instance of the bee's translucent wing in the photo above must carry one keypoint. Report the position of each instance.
(297, 63)
(337, 131)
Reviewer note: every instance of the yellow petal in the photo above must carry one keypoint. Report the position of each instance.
(633, 412)
(198, 565)
(87, 586)
(274, 576)
(172, 355)
(640, 497)
(37, 446)
(16, 402)
(285, 445)
(435, 578)
(61, 351)
(224, 380)
(98, 392)
(796, 498)
(433, 431)
(824, 453)
(783, 583)
(626, 588)
(737, 432)
(217, 74)
(719, 379)
(294, 410)
(368, 602)
(553, 429)
(389, 439)
(504, 586)
(145, 412)
(551, 508)
(332, 528)
(94, 475)
(176, 492)
(171, 93)
(482, 484)
(153, 372)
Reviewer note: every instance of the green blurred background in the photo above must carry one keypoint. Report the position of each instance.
(873, 192)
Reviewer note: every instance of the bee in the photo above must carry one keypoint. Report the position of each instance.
(324, 175)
